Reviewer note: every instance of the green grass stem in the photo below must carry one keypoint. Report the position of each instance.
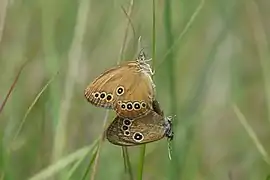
(12, 86)
(31, 107)
(74, 57)
(143, 147)
(62, 163)
(184, 31)
(252, 134)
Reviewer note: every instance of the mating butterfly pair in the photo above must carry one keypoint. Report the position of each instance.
(129, 90)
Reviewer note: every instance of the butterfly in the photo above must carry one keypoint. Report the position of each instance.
(127, 88)
(154, 126)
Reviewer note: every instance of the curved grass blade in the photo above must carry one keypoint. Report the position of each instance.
(185, 30)
(31, 107)
(12, 86)
(79, 162)
(95, 164)
(128, 14)
(63, 162)
(252, 134)
(90, 164)
(96, 159)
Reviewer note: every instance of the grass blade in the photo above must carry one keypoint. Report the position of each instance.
(90, 164)
(63, 162)
(31, 107)
(141, 162)
(75, 167)
(12, 86)
(128, 15)
(95, 164)
(171, 79)
(185, 30)
(3, 14)
(74, 58)
(252, 134)
(260, 38)
(143, 147)
(128, 168)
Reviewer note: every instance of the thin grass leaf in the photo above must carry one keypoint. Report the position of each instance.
(129, 20)
(12, 86)
(79, 162)
(128, 168)
(3, 13)
(128, 15)
(141, 162)
(31, 107)
(153, 34)
(63, 162)
(143, 147)
(171, 79)
(2, 176)
(127, 164)
(95, 164)
(252, 134)
(260, 38)
(185, 30)
(74, 57)
(90, 164)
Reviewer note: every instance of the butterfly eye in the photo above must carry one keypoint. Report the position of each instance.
(120, 90)
(129, 106)
(127, 122)
(124, 128)
(127, 133)
(102, 95)
(123, 106)
(137, 106)
(138, 137)
(109, 97)
(143, 104)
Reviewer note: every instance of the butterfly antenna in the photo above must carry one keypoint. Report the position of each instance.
(139, 44)
(140, 49)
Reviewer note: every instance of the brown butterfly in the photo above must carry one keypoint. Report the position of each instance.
(154, 126)
(127, 88)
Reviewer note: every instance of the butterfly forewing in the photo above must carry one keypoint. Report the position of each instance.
(130, 132)
(127, 88)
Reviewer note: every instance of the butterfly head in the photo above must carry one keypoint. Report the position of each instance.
(143, 62)
(169, 128)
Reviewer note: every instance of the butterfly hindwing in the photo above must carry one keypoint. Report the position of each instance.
(129, 132)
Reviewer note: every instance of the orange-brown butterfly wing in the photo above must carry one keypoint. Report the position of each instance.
(127, 85)
(138, 97)
(104, 84)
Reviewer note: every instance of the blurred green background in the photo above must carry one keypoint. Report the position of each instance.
(215, 79)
